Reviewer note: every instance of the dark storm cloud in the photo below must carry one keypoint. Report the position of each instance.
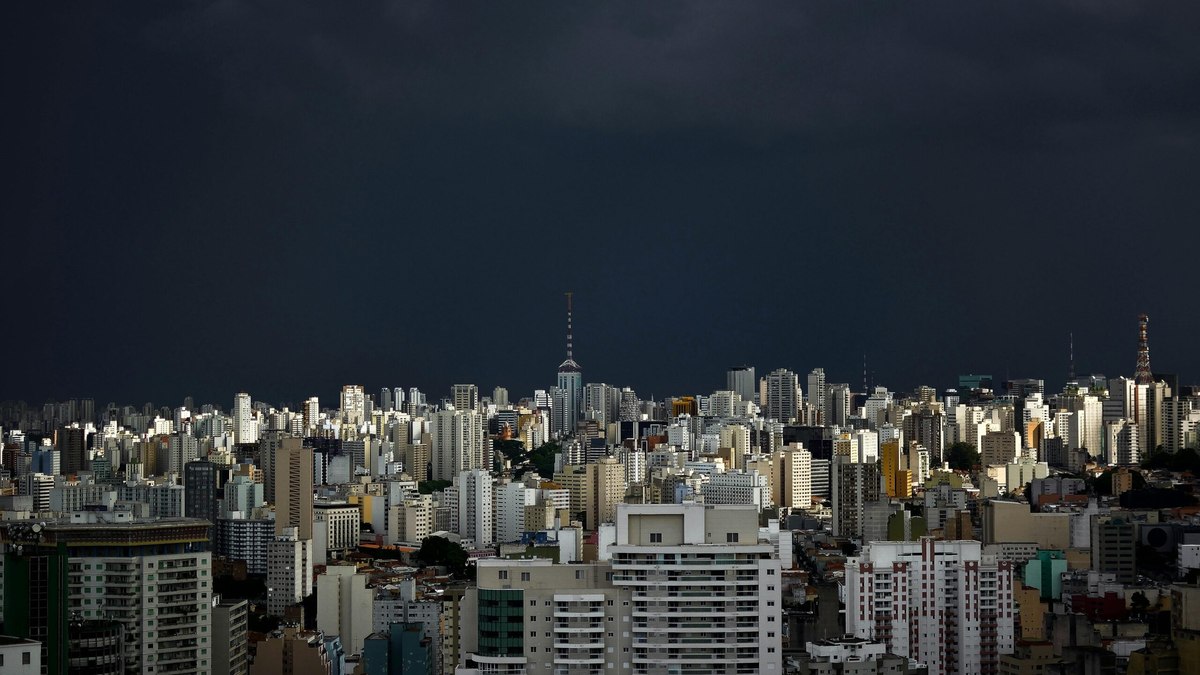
(287, 196)
(826, 71)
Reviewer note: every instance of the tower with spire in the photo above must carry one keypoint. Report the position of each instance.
(568, 395)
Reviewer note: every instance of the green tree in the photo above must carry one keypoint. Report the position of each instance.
(542, 458)
(428, 487)
(512, 449)
(441, 552)
(962, 456)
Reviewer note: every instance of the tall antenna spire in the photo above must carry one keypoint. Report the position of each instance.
(865, 389)
(570, 334)
(569, 366)
(1070, 357)
(1143, 374)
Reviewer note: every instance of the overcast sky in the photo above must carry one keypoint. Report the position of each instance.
(283, 197)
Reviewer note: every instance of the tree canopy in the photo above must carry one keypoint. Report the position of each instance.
(542, 458)
(1184, 460)
(962, 456)
(441, 552)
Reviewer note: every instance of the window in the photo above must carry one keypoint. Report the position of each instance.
(524, 576)
(578, 574)
(731, 537)
(533, 633)
(533, 617)
(656, 537)
(503, 574)
(26, 658)
(533, 603)
(771, 573)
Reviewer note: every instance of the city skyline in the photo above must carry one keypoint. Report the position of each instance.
(328, 392)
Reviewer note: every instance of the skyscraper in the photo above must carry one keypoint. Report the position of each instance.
(71, 451)
(354, 404)
(782, 399)
(854, 485)
(942, 603)
(294, 488)
(457, 443)
(740, 379)
(245, 427)
(466, 397)
(200, 490)
(818, 411)
(570, 383)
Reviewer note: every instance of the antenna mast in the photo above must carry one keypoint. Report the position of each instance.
(1143, 374)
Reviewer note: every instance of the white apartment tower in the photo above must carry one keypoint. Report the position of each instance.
(354, 404)
(245, 427)
(457, 442)
(942, 603)
(476, 506)
(345, 606)
(795, 476)
(289, 571)
(511, 500)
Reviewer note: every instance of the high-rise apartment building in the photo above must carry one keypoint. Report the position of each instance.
(795, 477)
(294, 488)
(230, 626)
(457, 443)
(353, 404)
(818, 414)
(942, 603)
(781, 396)
(1114, 546)
(245, 426)
(345, 606)
(740, 379)
(476, 506)
(70, 443)
(465, 397)
(152, 577)
(854, 485)
(684, 588)
(289, 570)
(200, 490)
